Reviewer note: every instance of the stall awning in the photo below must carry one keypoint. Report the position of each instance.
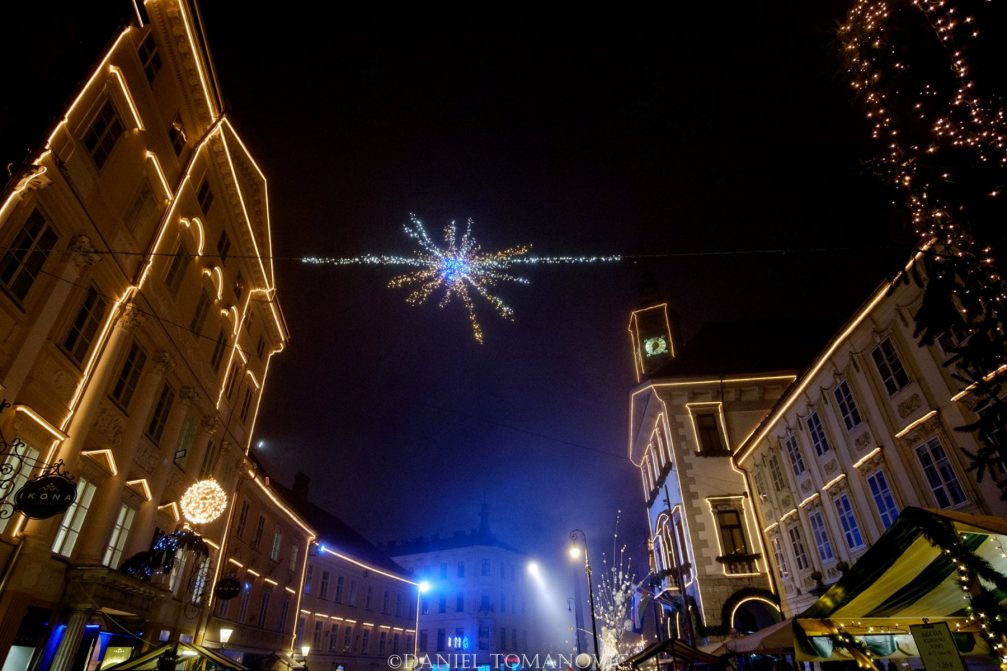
(907, 576)
(206, 659)
(672, 647)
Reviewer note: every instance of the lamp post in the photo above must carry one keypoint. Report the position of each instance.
(578, 536)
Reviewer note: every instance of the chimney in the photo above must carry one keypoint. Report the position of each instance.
(301, 482)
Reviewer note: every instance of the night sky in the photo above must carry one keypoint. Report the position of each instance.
(688, 131)
(643, 129)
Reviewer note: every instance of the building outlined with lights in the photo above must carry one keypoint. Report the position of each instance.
(140, 315)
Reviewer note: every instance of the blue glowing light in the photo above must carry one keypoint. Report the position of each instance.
(425, 586)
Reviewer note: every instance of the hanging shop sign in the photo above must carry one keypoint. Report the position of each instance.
(227, 588)
(45, 497)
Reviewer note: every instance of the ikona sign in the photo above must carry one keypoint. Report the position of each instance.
(46, 497)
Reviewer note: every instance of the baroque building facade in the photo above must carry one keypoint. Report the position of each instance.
(138, 319)
(869, 428)
(767, 470)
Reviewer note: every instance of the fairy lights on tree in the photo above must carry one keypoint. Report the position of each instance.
(457, 269)
(613, 599)
(943, 138)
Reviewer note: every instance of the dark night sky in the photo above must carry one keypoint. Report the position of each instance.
(638, 129)
(656, 128)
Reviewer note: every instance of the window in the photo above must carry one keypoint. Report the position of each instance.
(398, 605)
(444, 571)
(173, 277)
(249, 318)
(424, 606)
(274, 554)
(113, 553)
(883, 499)
(424, 639)
(382, 641)
(259, 526)
(239, 287)
(209, 458)
(849, 522)
(78, 340)
(323, 588)
(307, 579)
(23, 260)
(246, 403)
(893, 375)
(294, 551)
(18, 471)
(218, 350)
(708, 432)
(284, 612)
(485, 567)
(223, 246)
(484, 603)
(440, 640)
(794, 452)
(129, 375)
(260, 348)
(821, 536)
(334, 638)
(460, 602)
(348, 638)
(149, 57)
(232, 378)
(239, 529)
(369, 599)
(73, 519)
(732, 537)
(365, 640)
(817, 432)
(102, 134)
(847, 406)
(800, 555)
(316, 640)
(246, 594)
(779, 484)
(442, 605)
(199, 315)
(205, 196)
(176, 135)
(781, 559)
(264, 607)
(940, 475)
(395, 643)
(340, 580)
(142, 211)
(484, 635)
(503, 638)
(353, 593)
(155, 427)
(185, 441)
(384, 603)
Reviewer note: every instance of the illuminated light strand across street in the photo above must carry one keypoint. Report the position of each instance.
(457, 268)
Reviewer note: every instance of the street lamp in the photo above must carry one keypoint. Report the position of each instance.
(305, 649)
(578, 542)
(225, 636)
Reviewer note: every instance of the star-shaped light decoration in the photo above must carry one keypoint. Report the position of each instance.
(457, 270)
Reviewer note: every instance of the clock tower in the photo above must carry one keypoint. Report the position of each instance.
(651, 333)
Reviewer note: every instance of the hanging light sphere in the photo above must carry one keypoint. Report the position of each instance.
(203, 502)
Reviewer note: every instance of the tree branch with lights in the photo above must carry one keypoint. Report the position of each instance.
(917, 66)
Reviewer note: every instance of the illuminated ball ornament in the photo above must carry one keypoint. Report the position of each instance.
(203, 502)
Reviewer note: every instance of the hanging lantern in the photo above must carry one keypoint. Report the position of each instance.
(203, 502)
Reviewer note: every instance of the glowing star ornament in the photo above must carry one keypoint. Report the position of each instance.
(457, 269)
(203, 502)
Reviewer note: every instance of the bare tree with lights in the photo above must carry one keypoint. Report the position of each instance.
(614, 595)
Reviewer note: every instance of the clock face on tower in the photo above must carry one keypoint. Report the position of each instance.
(655, 346)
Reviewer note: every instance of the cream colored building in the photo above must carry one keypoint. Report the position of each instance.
(138, 318)
(691, 410)
(867, 429)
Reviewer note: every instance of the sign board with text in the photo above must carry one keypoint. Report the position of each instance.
(937, 647)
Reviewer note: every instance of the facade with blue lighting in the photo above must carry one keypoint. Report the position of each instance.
(477, 604)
